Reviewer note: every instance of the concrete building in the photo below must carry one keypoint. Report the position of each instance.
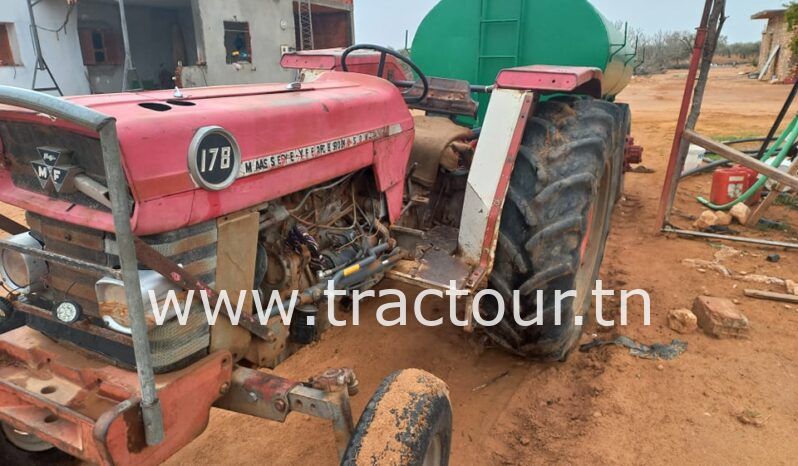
(201, 42)
(776, 60)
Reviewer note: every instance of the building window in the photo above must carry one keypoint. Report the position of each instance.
(237, 42)
(6, 50)
(100, 47)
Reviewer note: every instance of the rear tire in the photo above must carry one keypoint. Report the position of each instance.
(407, 422)
(556, 221)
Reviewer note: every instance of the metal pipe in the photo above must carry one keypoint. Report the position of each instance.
(53, 106)
(675, 164)
(314, 293)
(118, 190)
(93, 189)
(473, 87)
(37, 46)
(68, 262)
(11, 227)
(737, 239)
(126, 43)
(482, 89)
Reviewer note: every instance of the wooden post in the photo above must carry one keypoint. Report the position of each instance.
(771, 198)
(736, 156)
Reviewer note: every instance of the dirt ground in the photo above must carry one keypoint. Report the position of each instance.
(602, 407)
(606, 406)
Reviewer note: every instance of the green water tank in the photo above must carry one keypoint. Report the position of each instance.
(475, 39)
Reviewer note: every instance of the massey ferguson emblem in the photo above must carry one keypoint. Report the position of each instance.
(54, 169)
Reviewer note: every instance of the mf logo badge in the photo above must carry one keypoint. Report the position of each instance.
(55, 169)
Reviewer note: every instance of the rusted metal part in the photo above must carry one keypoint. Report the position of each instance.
(82, 325)
(273, 348)
(154, 260)
(92, 410)
(181, 278)
(268, 396)
(333, 406)
(10, 226)
(633, 154)
(193, 247)
(258, 394)
(336, 380)
(446, 96)
(74, 264)
(435, 264)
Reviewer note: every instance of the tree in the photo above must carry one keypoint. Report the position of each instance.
(792, 21)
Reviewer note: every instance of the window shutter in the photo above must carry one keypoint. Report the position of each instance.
(86, 47)
(114, 55)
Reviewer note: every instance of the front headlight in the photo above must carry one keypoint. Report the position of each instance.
(113, 301)
(22, 273)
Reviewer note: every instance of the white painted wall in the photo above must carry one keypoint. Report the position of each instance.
(62, 50)
(271, 25)
(150, 31)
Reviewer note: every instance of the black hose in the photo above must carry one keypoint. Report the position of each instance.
(779, 120)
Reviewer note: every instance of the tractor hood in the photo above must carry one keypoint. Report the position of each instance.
(277, 138)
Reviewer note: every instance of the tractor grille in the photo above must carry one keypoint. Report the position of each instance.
(194, 248)
(20, 142)
(173, 346)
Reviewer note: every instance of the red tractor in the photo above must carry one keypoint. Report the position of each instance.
(330, 181)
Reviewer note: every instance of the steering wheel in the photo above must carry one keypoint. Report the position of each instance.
(384, 52)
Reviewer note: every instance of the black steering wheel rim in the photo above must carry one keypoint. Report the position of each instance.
(384, 52)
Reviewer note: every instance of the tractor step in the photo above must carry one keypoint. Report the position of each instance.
(435, 264)
(91, 410)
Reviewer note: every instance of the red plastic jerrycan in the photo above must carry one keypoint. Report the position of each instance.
(728, 184)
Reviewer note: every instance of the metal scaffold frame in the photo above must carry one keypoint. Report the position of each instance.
(305, 12)
(41, 63)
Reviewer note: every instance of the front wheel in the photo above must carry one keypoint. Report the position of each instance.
(21, 448)
(407, 422)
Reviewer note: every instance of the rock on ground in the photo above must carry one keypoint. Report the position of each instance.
(741, 213)
(682, 321)
(720, 318)
(706, 220)
(724, 219)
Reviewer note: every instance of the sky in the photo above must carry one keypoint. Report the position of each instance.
(384, 21)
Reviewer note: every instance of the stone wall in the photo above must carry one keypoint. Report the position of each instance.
(776, 34)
